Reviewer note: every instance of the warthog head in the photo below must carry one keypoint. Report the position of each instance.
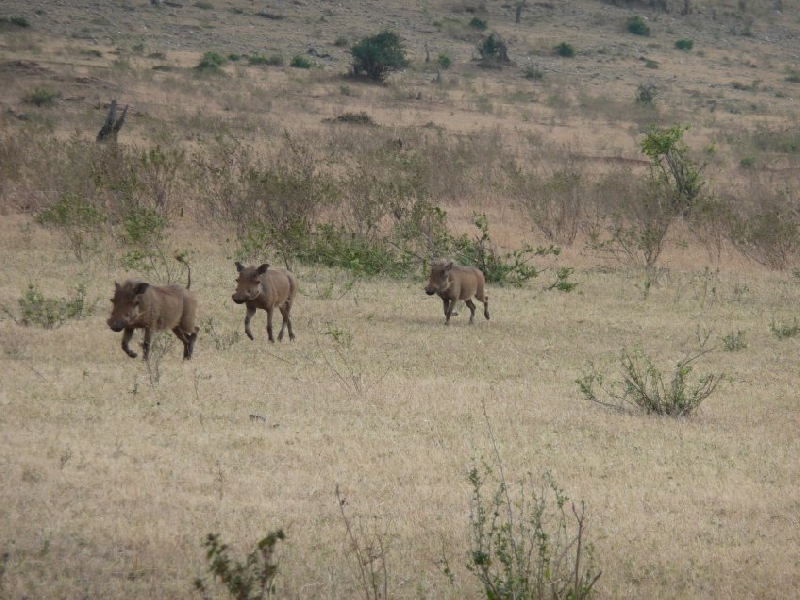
(248, 284)
(126, 304)
(439, 280)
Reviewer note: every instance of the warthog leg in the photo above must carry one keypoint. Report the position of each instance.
(287, 322)
(126, 338)
(251, 310)
(146, 343)
(471, 306)
(486, 308)
(188, 340)
(270, 310)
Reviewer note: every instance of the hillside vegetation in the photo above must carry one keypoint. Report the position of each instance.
(626, 175)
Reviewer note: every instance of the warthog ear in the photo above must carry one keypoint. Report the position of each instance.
(262, 269)
(448, 266)
(239, 266)
(141, 288)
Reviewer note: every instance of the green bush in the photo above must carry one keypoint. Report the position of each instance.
(341, 42)
(638, 26)
(212, 61)
(521, 546)
(50, 313)
(532, 72)
(783, 331)
(249, 580)
(565, 50)
(733, 342)
(80, 221)
(493, 49)
(478, 23)
(274, 60)
(643, 387)
(684, 45)
(40, 96)
(444, 61)
(301, 62)
(378, 55)
(646, 93)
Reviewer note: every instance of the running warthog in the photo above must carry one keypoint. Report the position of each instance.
(453, 283)
(139, 305)
(266, 288)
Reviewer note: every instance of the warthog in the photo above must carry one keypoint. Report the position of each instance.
(139, 305)
(453, 283)
(266, 288)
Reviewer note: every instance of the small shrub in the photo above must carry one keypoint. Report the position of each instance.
(80, 221)
(300, 62)
(444, 61)
(651, 64)
(212, 61)
(203, 5)
(733, 342)
(478, 23)
(274, 60)
(249, 580)
(565, 50)
(378, 55)
(747, 162)
(646, 93)
(638, 26)
(532, 72)
(40, 96)
(233, 57)
(493, 49)
(783, 331)
(793, 75)
(14, 21)
(684, 45)
(643, 387)
(341, 42)
(561, 284)
(50, 313)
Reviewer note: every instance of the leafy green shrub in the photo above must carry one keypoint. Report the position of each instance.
(211, 61)
(14, 21)
(638, 26)
(493, 49)
(300, 62)
(734, 341)
(520, 544)
(336, 247)
(478, 23)
(79, 220)
(783, 331)
(532, 72)
(770, 237)
(50, 313)
(249, 580)
(444, 61)
(40, 96)
(747, 162)
(565, 50)
(378, 55)
(643, 387)
(274, 60)
(684, 45)
(561, 284)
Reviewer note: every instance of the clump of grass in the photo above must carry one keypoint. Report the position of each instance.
(40, 96)
(684, 44)
(274, 60)
(532, 72)
(50, 313)
(444, 61)
(734, 341)
(203, 5)
(478, 23)
(341, 42)
(212, 61)
(783, 331)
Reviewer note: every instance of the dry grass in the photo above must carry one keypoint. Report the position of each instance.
(111, 480)
(111, 483)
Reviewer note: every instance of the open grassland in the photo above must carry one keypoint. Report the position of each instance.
(112, 480)
(114, 470)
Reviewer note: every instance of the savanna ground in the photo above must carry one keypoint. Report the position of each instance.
(115, 470)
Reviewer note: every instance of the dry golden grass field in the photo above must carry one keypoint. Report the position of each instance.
(114, 470)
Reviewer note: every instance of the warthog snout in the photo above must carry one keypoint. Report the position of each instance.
(266, 288)
(453, 283)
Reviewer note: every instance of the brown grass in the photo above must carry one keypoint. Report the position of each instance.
(111, 480)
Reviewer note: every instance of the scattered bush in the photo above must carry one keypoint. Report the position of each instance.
(79, 220)
(50, 313)
(532, 72)
(783, 331)
(733, 342)
(444, 61)
(565, 50)
(14, 21)
(638, 26)
(643, 387)
(493, 50)
(40, 96)
(341, 42)
(211, 61)
(684, 45)
(301, 62)
(203, 5)
(249, 580)
(378, 55)
(478, 23)
(646, 93)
